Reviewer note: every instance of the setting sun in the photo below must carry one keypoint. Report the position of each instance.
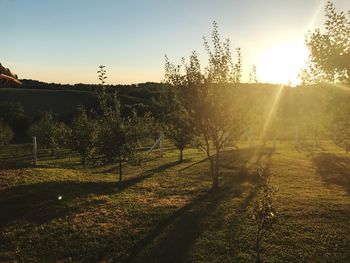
(282, 63)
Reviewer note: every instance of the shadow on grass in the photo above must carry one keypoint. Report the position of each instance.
(334, 169)
(44, 156)
(173, 238)
(42, 202)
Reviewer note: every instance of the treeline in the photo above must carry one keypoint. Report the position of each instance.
(133, 88)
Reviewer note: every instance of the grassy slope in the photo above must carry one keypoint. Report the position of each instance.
(165, 211)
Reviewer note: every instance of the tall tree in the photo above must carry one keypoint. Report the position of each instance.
(330, 49)
(211, 100)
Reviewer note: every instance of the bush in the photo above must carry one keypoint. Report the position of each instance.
(6, 133)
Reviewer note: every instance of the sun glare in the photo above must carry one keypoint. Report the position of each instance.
(282, 63)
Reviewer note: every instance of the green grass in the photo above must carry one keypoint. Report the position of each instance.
(166, 212)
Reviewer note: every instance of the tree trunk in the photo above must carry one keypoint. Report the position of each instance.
(84, 162)
(120, 170)
(212, 172)
(181, 155)
(216, 170)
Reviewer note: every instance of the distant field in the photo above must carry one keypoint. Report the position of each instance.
(165, 211)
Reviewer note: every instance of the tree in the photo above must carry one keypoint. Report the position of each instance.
(102, 74)
(6, 133)
(84, 135)
(252, 75)
(47, 131)
(211, 100)
(330, 50)
(341, 122)
(13, 114)
(237, 68)
(119, 137)
(175, 117)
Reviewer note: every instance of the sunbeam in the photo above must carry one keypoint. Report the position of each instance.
(272, 111)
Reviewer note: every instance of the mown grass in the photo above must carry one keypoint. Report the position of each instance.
(166, 212)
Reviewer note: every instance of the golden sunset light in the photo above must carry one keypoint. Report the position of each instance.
(175, 131)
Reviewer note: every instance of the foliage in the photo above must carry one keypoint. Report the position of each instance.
(252, 75)
(341, 124)
(49, 132)
(13, 114)
(174, 113)
(119, 137)
(330, 50)
(84, 135)
(210, 100)
(102, 74)
(6, 133)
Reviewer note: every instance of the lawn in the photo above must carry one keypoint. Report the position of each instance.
(165, 211)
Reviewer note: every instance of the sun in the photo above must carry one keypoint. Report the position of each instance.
(282, 63)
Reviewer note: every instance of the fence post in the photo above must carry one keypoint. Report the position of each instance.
(250, 137)
(296, 139)
(35, 151)
(161, 143)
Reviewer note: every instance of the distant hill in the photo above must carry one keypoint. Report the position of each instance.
(36, 96)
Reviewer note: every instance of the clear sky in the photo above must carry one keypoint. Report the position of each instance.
(65, 41)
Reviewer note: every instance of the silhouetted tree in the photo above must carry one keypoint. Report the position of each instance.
(102, 74)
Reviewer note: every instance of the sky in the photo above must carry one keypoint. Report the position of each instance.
(64, 41)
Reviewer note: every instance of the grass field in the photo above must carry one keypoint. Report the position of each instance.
(165, 211)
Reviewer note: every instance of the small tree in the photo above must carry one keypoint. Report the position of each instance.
(84, 135)
(175, 118)
(237, 68)
(102, 74)
(119, 137)
(47, 131)
(252, 75)
(6, 133)
(341, 124)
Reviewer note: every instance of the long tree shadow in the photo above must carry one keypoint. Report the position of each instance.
(42, 202)
(173, 238)
(334, 169)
